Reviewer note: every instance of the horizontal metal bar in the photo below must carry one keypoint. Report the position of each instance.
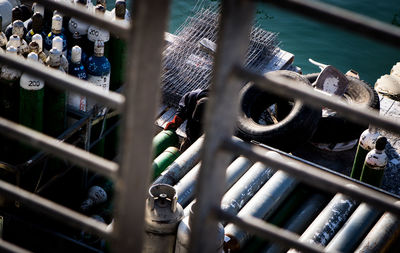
(60, 149)
(268, 231)
(54, 210)
(290, 156)
(11, 248)
(63, 81)
(119, 28)
(291, 89)
(316, 177)
(344, 19)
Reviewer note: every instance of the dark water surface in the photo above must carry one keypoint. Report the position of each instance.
(306, 38)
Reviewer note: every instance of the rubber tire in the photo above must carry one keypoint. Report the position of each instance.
(335, 129)
(291, 131)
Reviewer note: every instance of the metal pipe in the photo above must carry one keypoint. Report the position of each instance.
(119, 28)
(246, 187)
(60, 149)
(300, 220)
(344, 19)
(267, 231)
(185, 187)
(11, 248)
(329, 221)
(347, 239)
(261, 205)
(321, 179)
(64, 82)
(143, 92)
(291, 89)
(384, 233)
(54, 210)
(182, 164)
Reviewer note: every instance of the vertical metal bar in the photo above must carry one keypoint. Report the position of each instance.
(142, 97)
(233, 40)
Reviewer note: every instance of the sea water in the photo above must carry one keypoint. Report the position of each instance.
(306, 38)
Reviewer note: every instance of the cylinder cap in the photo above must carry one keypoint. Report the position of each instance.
(18, 28)
(38, 8)
(14, 41)
(54, 57)
(32, 56)
(82, 2)
(58, 43)
(76, 54)
(12, 50)
(381, 143)
(100, 9)
(37, 22)
(17, 13)
(34, 47)
(102, 2)
(120, 9)
(56, 23)
(98, 48)
(39, 40)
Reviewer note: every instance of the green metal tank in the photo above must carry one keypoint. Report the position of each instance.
(164, 160)
(163, 140)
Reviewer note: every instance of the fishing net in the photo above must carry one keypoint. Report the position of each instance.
(188, 65)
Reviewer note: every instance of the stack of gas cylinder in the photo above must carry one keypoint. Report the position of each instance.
(337, 222)
(65, 44)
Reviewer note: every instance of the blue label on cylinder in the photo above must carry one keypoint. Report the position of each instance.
(48, 42)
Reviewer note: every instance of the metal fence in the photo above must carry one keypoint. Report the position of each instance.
(138, 105)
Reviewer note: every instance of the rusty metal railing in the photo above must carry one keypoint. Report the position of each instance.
(138, 105)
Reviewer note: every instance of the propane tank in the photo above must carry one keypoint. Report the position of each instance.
(163, 214)
(55, 108)
(118, 47)
(16, 15)
(76, 25)
(76, 68)
(182, 164)
(78, 40)
(31, 95)
(39, 40)
(58, 43)
(3, 37)
(164, 160)
(9, 97)
(98, 70)
(37, 27)
(163, 140)
(31, 99)
(183, 235)
(56, 30)
(375, 164)
(18, 30)
(96, 33)
(97, 194)
(365, 144)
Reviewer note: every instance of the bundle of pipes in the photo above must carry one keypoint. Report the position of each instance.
(188, 61)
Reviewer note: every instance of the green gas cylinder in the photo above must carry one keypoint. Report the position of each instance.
(163, 140)
(164, 160)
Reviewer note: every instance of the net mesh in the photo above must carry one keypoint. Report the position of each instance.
(188, 66)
